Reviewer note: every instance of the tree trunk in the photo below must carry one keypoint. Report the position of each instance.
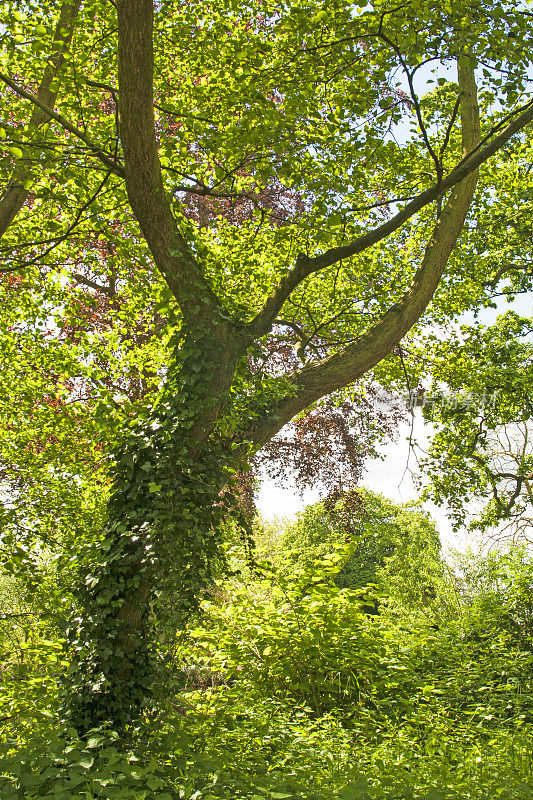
(160, 537)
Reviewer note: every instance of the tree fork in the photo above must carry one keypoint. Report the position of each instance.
(165, 506)
(346, 366)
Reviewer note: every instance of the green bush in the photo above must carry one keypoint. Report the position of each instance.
(61, 768)
(396, 547)
(310, 644)
(285, 690)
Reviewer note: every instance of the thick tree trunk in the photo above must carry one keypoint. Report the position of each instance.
(161, 532)
(165, 507)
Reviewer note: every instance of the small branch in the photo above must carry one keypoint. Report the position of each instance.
(185, 116)
(91, 284)
(449, 128)
(97, 85)
(59, 239)
(295, 327)
(416, 104)
(104, 157)
(16, 193)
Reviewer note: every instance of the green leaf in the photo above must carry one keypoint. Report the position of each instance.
(355, 791)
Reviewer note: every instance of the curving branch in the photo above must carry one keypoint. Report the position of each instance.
(306, 266)
(16, 192)
(346, 366)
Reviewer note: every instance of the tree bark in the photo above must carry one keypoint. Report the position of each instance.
(306, 266)
(161, 532)
(162, 520)
(144, 181)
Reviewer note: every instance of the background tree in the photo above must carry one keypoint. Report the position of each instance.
(481, 461)
(394, 547)
(113, 123)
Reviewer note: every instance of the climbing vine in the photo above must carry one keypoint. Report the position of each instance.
(161, 539)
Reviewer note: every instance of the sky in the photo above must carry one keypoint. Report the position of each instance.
(387, 475)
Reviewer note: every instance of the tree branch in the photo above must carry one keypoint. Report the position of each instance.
(414, 97)
(105, 158)
(144, 182)
(91, 284)
(306, 266)
(346, 366)
(16, 192)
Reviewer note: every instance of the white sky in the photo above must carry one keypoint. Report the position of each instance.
(388, 476)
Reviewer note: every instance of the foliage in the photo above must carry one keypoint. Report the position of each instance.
(214, 216)
(66, 767)
(209, 225)
(163, 495)
(394, 547)
(291, 692)
(483, 432)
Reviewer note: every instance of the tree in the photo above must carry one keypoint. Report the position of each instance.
(121, 114)
(481, 407)
(392, 546)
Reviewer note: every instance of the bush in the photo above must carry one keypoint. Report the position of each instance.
(396, 547)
